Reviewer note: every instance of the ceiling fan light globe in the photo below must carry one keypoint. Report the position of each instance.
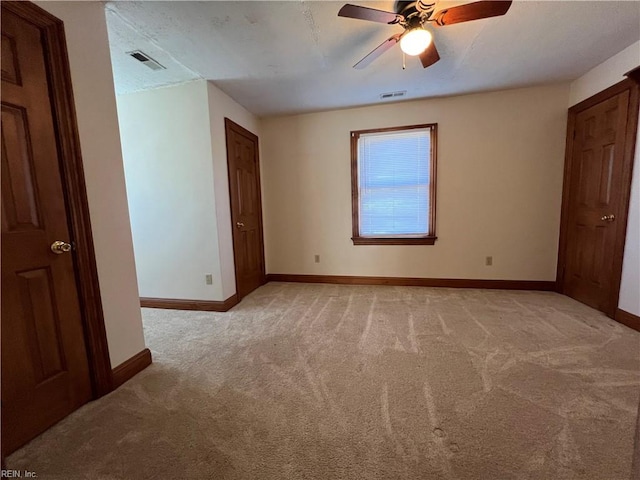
(416, 41)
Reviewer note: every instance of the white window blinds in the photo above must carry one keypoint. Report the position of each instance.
(393, 182)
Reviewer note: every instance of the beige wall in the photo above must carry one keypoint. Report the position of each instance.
(175, 154)
(166, 144)
(500, 165)
(94, 95)
(595, 80)
(602, 76)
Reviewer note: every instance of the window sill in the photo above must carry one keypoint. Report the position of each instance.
(394, 240)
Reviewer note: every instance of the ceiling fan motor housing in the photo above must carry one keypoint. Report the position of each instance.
(415, 9)
(425, 6)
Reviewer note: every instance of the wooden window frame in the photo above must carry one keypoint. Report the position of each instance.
(428, 239)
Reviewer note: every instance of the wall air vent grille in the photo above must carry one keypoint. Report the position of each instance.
(146, 60)
(386, 96)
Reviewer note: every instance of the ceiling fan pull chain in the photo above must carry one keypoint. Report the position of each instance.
(404, 64)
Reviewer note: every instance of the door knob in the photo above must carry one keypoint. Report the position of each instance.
(239, 224)
(59, 247)
(608, 218)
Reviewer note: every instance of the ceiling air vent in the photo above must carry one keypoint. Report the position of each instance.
(146, 60)
(387, 96)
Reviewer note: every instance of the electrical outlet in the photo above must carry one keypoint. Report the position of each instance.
(316, 258)
(208, 278)
(488, 261)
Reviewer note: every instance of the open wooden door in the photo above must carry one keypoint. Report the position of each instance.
(599, 159)
(50, 319)
(246, 208)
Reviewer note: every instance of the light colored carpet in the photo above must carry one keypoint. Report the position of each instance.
(355, 382)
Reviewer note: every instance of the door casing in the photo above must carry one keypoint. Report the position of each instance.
(617, 255)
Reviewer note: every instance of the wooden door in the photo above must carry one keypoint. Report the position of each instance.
(597, 185)
(246, 207)
(45, 371)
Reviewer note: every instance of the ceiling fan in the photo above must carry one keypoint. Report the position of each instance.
(413, 16)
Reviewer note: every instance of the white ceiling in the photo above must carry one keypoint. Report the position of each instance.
(277, 57)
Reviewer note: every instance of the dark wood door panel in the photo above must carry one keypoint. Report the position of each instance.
(42, 332)
(45, 370)
(594, 177)
(595, 197)
(246, 209)
(18, 185)
(10, 68)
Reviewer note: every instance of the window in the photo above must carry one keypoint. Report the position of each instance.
(393, 182)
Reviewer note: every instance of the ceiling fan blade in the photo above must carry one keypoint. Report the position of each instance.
(429, 56)
(371, 14)
(471, 11)
(379, 50)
